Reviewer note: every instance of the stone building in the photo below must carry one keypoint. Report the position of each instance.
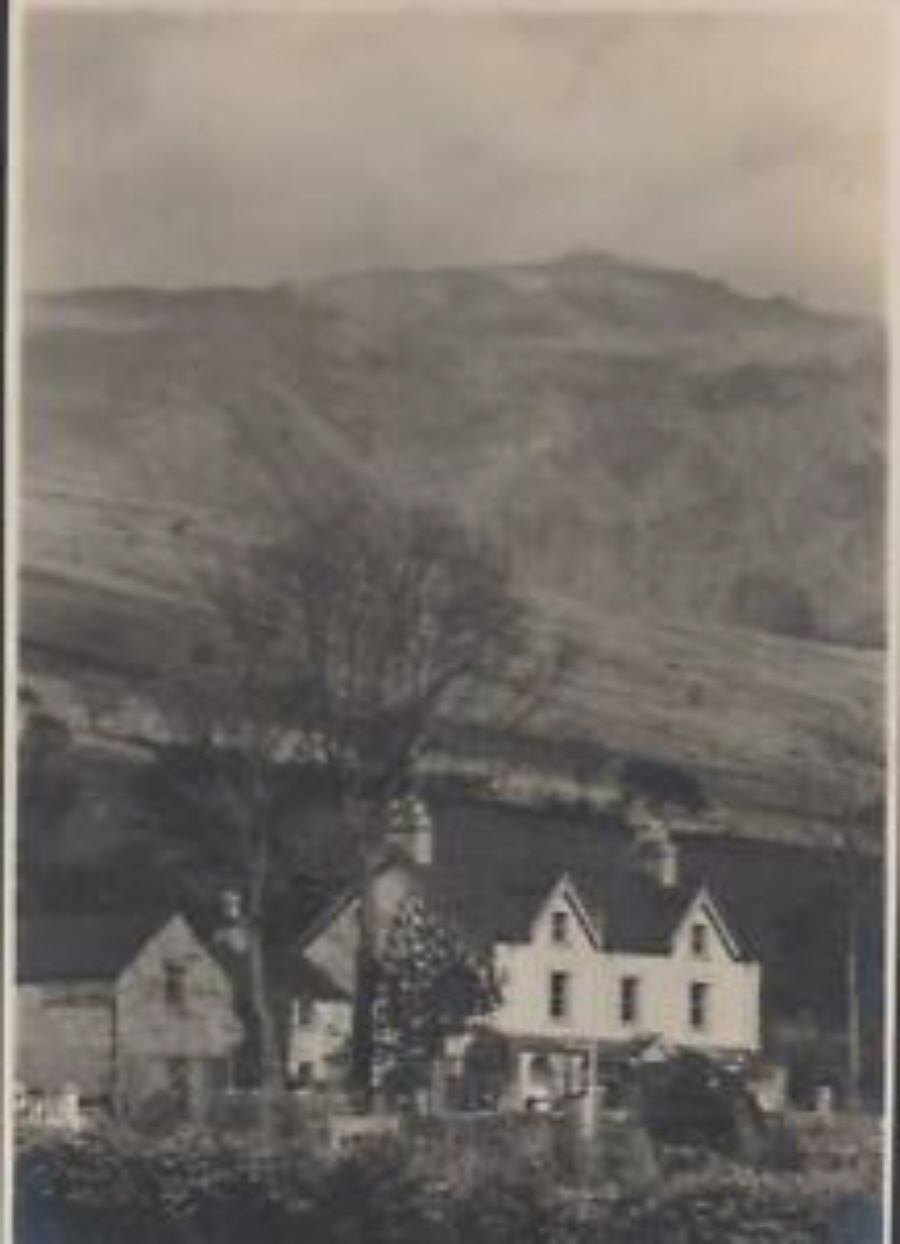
(124, 1008)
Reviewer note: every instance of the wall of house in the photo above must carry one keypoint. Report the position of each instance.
(162, 1045)
(734, 1020)
(663, 990)
(334, 950)
(664, 1007)
(525, 971)
(64, 1035)
(319, 1031)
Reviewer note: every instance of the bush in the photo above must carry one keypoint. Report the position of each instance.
(374, 1195)
(746, 1208)
(847, 1147)
(115, 1185)
(465, 1148)
(505, 1211)
(197, 1188)
(690, 1100)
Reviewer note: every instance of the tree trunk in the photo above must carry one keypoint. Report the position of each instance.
(271, 1071)
(366, 987)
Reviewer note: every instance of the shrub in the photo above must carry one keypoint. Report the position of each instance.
(744, 1208)
(691, 1100)
(847, 1147)
(197, 1188)
(467, 1147)
(115, 1185)
(375, 1195)
(509, 1210)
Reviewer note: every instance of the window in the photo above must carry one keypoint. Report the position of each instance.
(698, 1004)
(560, 927)
(559, 1000)
(629, 999)
(303, 1075)
(175, 984)
(700, 940)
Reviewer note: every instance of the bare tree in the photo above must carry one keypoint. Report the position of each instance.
(342, 642)
(223, 731)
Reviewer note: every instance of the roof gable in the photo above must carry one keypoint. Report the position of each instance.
(704, 902)
(495, 866)
(566, 891)
(390, 859)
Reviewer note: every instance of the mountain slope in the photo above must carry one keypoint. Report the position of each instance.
(678, 471)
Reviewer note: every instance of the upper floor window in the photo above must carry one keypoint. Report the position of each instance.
(629, 999)
(175, 984)
(559, 999)
(559, 927)
(700, 940)
(698, 1004)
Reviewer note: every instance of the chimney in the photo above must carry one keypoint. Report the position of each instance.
(655, 849)
(411, 829)
(230, 933)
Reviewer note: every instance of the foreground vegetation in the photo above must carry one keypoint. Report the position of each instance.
(513, 1185)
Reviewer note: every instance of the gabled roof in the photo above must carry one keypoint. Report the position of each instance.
(86, 948)
(494, 867)
(632, 913)
(311, 981)
(333, 904)
(703, 901)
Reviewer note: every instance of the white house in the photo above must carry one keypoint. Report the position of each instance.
(592, 958)
(604, 961)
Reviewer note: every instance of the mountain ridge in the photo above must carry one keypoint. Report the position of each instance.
(646, 444)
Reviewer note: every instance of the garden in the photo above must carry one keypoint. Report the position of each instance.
(489, 1179)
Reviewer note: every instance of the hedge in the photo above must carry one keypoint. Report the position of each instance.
(199, 1188)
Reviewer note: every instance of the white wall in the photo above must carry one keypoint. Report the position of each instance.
(525, 972)
(64, 1034)
(664, 984)
(334, 949)
(317, 1036)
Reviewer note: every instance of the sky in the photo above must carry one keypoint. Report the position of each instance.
(217, 148)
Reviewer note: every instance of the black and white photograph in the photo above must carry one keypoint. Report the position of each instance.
(449, 521)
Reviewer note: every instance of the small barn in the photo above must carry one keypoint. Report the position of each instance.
(123, 1009)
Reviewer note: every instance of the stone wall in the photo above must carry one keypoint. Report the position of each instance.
(64, 1035)
(166, 1045)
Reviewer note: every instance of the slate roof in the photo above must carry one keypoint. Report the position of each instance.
(86, 948)
(495, 865)
(492, 879)
(635, 914)
(310, 981)
(632, 913)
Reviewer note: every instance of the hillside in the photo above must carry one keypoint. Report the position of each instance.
(689, 481)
